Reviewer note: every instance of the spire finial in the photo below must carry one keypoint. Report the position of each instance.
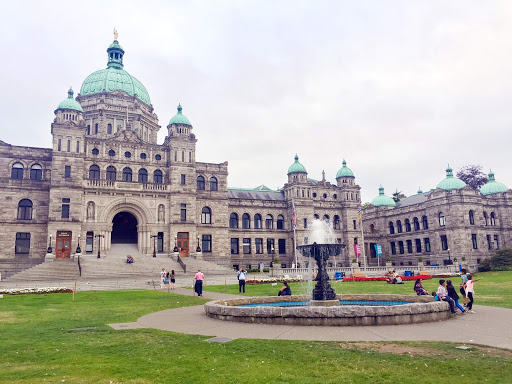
(179, 107)
(115, 33)
(296, 158)
(70, 92)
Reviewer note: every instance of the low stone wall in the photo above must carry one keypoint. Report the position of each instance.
(417, 310)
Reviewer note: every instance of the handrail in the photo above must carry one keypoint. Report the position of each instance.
(180, 262)
(79, 267)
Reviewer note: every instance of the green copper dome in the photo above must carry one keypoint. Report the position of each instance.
(70, 103)
(296, 167)
(382, 200)
(492, 186)
(179, 118)
(114, 77)
(451, 182)
(344, 171)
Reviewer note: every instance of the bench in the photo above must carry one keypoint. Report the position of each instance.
(427, 273)
(358, 274)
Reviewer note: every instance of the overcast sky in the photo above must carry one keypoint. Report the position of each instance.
(397, 88)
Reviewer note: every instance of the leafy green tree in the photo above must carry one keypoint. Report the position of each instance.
(473, 176)
(397, 196)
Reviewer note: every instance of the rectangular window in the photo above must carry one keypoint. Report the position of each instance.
(418, 245)
(78, 146)
(22, 246)
(401, 247)
(65, 208)
(393, 248)
(69, 146)
(182, 179)
(355, 225)
(182, 156)
(270, 246)
(281, 244)
(489, 242)
(496, 242)
(444, 242)
(96, 128)
(59, 145)
(409, 246)
(206, 243)
(190, 157)
(355, 240)
(175, 155)
(67, 171)
(258, 244)
(246, 246)
(474, 241)
(183, 214)
(426, 240)
(305, 223)
(234, 246)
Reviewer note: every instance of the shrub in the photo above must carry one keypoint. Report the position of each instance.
(501, 259)
(420, 259)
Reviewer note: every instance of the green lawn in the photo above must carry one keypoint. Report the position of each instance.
(495, 290)
(38, 344)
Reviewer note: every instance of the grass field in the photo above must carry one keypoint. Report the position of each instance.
(38, 343)
(495, 290)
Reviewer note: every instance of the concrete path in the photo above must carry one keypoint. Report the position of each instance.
(488, 326)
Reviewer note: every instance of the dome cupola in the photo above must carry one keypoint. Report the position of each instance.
(344, 171)
(382, 200)
(451, 182)
(70, 103)
(179, 118)
(296, 167)
(492, 186)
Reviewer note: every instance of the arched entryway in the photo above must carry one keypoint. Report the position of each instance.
(124, 228)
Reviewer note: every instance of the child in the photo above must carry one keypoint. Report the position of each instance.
(442, 293)
(464, 279)
(470, 292)
(453, 294)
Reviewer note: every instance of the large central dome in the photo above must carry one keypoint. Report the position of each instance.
(114, 77)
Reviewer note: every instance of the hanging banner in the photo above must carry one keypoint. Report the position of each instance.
(378, 250)
(357, 250)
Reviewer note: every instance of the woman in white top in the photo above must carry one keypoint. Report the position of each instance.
(470, 291)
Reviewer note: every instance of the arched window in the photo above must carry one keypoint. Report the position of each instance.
(95, 151)
(200, 183)
(327, 218)
(109, 129)
(316, 217)
(407, 225)
(280, 222)
(493, 219)
(269, 222)
(17, 171)
(442, 219)
(399, 226)
(336, 222)
(471, 217)
(246, 221)
(485, 218)
(213, 184)
(158, 177)
(111, 153)
(127, 174)
(206, 215)
(257, 221)
(416, 224)
(424, 219)
(233, 220)
(94, 172)
(391, 228)
(36, 172)
(143, 176)
(372, 228)
(25, 210)
(111, 173)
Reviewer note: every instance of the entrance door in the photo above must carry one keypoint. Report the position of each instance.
(124, 228)
(89, 242)
(160, 242)
(63, 247)
(183, 243)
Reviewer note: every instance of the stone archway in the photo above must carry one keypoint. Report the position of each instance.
(124, 228)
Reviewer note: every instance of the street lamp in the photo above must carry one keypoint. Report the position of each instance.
(49, 250)
(198, 249)
(449, 258)
(175, 244)
(154, 244)
(78, 249)
(99, 244)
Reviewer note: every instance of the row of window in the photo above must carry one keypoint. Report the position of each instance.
(127, 154)
(201, 183)
(426, 242)
(258, 221)
(258, 246)
(25, 209)
(492, 243)
(111, 174)
(36, 171)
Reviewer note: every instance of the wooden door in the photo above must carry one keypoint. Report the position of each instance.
(183, 243)
(63, 245)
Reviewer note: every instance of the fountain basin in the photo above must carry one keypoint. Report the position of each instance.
(415, 309)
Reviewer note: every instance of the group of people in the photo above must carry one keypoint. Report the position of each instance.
(392, 277)
(447, 292)
(167, 279)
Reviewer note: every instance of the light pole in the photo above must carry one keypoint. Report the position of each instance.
(175, 244)
(154, 244)
(49, 250)
(198, 249)
(78, 249)
(99, 244)
(449, 258)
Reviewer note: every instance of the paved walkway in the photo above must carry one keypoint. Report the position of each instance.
(488, 326)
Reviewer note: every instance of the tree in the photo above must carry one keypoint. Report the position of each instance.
(397, 196)
(473, 176)
(365, 205)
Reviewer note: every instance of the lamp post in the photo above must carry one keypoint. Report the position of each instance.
(449, 258)
(49, 250)
(175, 244)
(198, 249)
(99, 244)
(78, 249)
(154, 244)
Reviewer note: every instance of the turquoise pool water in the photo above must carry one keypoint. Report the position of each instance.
(372, 303)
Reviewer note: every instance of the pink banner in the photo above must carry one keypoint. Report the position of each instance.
(357, 250)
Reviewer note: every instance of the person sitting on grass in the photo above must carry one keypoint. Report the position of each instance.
(442, 293)
(285, 291)
(390, 278)
(129, 259)
(418, 288)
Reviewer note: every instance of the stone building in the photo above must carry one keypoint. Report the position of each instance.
(106, 180)
(450, 222)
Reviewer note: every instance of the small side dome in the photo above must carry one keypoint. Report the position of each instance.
(70, 103)
(179, 118)
(296, 167)
(382, 200)
(419, 191)
(344, 171)
(451, 182)
(492, 186)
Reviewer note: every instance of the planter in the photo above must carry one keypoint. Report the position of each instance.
(389, 264)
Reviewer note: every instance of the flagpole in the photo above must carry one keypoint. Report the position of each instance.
(294, 225)
(364, 251)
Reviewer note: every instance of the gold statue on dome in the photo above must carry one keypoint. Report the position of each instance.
(115, 33)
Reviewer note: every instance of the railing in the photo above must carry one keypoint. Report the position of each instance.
(155, 186)
(100, 183)
(180, 262)
(119, 184)
(79, 266)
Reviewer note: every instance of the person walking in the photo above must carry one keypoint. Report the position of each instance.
(199, 280)
(173, 279)
(162, 277)
(464, 279)
(470, 292)
(442, 293)
(241, 280)
(453, 294)
(166, 281)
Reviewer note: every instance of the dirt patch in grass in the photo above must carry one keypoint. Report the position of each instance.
(8, 317)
